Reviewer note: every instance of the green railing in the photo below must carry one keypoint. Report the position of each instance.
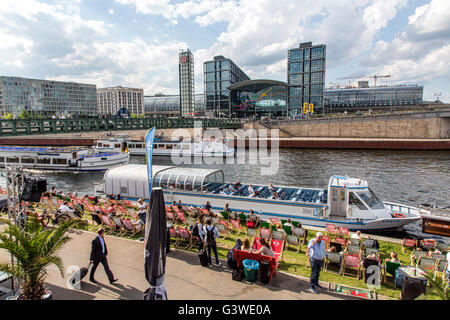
(51, 126)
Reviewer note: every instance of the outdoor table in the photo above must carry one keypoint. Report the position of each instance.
(408, 272)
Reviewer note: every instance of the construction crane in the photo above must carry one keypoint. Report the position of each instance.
(374, 77)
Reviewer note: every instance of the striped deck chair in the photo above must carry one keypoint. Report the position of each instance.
(426, 264)
(292, 240)
(278, 235)
(107, 223)
(127, 203)
(252, 232)
(301, 234)
(133, 213)
(264, 233)
(122, 209)
(441, 267)
(236, 226)
(416, 255)
(277, 248)
(118, 222)
(275, 221)
(128, 227)
(342, 232)
(181, 217)
(222, 230)
(256, 244)
(429, 244)
(332, 258)
(353, 250)
(185, 235)
(175, 235)
(170, 215)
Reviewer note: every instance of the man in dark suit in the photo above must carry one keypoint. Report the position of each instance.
(99, 251)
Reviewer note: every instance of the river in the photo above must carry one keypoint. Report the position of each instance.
(407, 177)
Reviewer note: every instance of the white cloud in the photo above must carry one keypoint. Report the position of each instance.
(111, 11)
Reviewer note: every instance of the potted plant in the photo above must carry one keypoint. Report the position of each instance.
(33, 248)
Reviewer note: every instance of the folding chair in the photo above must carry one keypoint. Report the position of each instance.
(236, 226)
(278, 235)
(275, 221)
(293, 240)
(251, 232)
(390, 268)
(174, 234)
(354, 242)
(301, 234)
(429, 244)
(332, 258)
(440, 269)
(327, 240)
(118, 222)
(264, 233)
(408, 243)
(107, 223)
(222, 230)
(416, 255)
(243, 218)
(256, 244)
(288, 230)
(353, 250)
(264, 224)
(426, 264)
(351, 262)
(190, 221)
(225, 215)
(343, 232)
(369, 251)
(181, 217)
(128, 226)
(185, 235)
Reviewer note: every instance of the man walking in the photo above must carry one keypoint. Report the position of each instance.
(212, 233)
(99, 251)
(316, 252)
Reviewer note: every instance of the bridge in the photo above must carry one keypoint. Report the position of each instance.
(18, 127)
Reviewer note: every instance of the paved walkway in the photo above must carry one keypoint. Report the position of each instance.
(185, 278)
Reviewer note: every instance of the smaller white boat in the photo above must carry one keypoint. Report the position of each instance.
(61, 159)
(168, 148)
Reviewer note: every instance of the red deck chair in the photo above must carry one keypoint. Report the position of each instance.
(277, 248)
(351, 262)
(327, 240)
(341, 241)
(264, 233)
(185, 235)
(127, 203)
(408, 243)
(107, 223)
(121, 209)
(170, 215)
(225, 223)
(274, 221)
(129, 227)
(236, 225)
(257, 243)
(181, 217)
(174, 234)
(97, 208)
(204, 211)
(330, 228)
(429, 244)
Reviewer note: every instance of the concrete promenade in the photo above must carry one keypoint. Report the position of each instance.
(185, 278)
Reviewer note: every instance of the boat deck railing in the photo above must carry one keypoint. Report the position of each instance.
(408, 211)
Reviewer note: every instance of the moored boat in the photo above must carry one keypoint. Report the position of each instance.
(346, 202)
(73, 159)
(168, 148)
(435, 220)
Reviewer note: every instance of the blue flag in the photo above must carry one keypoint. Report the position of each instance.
(148, 154)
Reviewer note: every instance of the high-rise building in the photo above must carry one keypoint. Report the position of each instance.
(187, 90)
(46, 97)
(110, 100)
(306, 77)
(219, 74)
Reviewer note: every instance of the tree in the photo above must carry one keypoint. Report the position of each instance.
(24, 114)
(142, 115)
(440, 286)
(8, 116)
(34, 249)
(134, 115)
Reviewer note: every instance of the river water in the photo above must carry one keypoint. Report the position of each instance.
(406, 177)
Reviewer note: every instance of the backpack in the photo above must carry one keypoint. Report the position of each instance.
(230, 256)
(210, 235)
(195, 231)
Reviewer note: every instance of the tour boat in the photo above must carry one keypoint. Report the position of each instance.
(168, 148)
(346, 202)
(61, 159)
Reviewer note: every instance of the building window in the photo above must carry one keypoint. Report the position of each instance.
(306, 66)
(306, 78)
(296, 55)
(295, 67)
(316, 77)
(210, 76)
(306, 54)
(317, 53)
(294, 91)
(295, 79)
(317, 65)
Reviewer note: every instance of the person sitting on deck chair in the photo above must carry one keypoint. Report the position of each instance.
(65, 209)
(265, 249)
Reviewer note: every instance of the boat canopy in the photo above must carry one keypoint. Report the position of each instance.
(132, 180)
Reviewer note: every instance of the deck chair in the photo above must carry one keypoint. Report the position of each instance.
(332, 258)
(351, 262)
(118, 222)
(426, 264)
(301, 234)
(295, 224)
(128, 227)
(107, 223)
(277, 248)
(294, 241)
(170, 215)
(174, 234)
(278, 235)
(429, 244)
(353, 250)
(343, 232)
(252, 232)
(275, 221)
(330, 229)
(243, 218)
(327, 240)
(390, 268)
(190, 221)
(438, 256)
(264, 233)
(256, 243)
(222, 230)
(185, 235)
(264, 224)
(369, 251)
(127, 203)
(225, 215)
(215, 220)
(181, 217)
(366, 268)
(408, 243)
(133, 213)
(354, 242)
(236, 226)
(416, 255)
(441, 267)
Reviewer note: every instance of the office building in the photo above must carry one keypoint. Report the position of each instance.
(110, 100)
(46, 97)
(219, 74)
(186, 78)
(169, 105)
(306, 77)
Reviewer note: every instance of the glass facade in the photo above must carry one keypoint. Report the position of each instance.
(352, 98)
(187, 90)
(170, 105)
(219, 74)
(47, 98)
(306, 77)
(257, 98)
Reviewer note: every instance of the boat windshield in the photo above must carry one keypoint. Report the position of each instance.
(371, 199)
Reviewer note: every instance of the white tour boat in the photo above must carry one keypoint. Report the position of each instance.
(346, 202)
(61, 159)
(168, 148)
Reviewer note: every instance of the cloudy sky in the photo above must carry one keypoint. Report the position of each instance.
(136, 42)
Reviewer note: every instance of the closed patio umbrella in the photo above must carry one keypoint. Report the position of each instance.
(155, 247)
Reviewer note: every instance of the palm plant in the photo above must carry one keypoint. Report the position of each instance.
(440, 286)
(34, 249)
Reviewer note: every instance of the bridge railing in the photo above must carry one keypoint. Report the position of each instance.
(16, 127)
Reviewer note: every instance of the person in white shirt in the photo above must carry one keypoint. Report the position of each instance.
(64, 208)
(251, 190)
(211, 233)
(142, 207)
(356, 235)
